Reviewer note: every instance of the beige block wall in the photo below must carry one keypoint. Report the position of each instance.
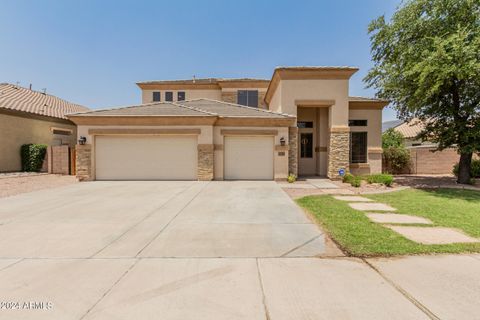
(280, 162)
(147, 95)
(17, 130)
(374, 138)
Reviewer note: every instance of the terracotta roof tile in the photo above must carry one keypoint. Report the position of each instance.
(17, 98)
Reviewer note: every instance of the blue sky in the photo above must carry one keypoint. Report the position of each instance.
(92, 52)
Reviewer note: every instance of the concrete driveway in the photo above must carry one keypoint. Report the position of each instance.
(193, 250)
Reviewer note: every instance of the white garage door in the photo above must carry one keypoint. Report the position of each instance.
(248, 158)
(146, 157)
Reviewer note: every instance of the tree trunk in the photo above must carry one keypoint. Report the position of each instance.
(464, 168)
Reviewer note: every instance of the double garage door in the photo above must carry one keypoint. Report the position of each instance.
(175, 157)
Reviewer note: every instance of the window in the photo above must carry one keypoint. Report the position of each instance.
(306, 145)
(357, 123)
(181, 96)
(304, 124)
(169, 96)
(358, 147)
(156, 96)
(61, 131)
(248, 98)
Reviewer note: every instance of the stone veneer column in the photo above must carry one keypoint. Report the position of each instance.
(84, 162)
(338, 152)
(293, 151)
(205, 162)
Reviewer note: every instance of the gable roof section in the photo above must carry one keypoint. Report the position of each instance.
(197, 107)
(410, 129)
(16, 98)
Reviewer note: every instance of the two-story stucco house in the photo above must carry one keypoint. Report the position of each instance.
(302, 121)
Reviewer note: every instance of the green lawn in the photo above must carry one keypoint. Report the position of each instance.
(358, 236)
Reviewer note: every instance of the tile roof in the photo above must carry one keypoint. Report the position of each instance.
(391, 124)
(411, 128)
(202, 81)
(17, 98)
(361, 99)
(197, 107)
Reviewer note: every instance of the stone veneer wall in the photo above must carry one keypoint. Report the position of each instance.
(84, 162)
(205, 162)
(338, 153)
(293, 151)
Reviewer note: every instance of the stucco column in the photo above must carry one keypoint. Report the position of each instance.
(338, 151)
(84, 162)
(293, 151)
(205, 162)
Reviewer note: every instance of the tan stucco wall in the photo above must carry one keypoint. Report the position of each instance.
(17, 130)
(331, 89)
(147, 95)
(374, 138)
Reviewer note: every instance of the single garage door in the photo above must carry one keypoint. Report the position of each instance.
(248, 157)
(146, 157)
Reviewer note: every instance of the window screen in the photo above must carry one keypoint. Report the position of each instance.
(156, 96)
(358, 147)
(357, 123)
(168, 96)
(248, 98)
(305, 124)
(181, 96)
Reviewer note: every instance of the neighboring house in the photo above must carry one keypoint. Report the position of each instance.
(302, 121)
(423, 158)
(28, 116)
(390, 124)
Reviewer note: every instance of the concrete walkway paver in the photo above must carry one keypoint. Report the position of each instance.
(433, 235)
(322, 183)
(369, 206)
(449, 286)
(353, 198)
(397, 218)
(349, 290)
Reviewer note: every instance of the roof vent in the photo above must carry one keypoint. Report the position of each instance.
(44, 90)
(194, 79)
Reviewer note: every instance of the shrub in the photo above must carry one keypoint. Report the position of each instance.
(474, 169)
(291, 178)
(392, 138)
(385, 179)
(32, 156)
(356, 182)
(396, 159)
(348, 178)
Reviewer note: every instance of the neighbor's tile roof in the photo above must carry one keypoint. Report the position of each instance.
(362, 99)
(391, 124)
(410, 129)
(197, 107)
(17, 98)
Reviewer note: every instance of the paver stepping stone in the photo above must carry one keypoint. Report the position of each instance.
(433, 235)
(396, 218)
(368, 206)
(353, 198)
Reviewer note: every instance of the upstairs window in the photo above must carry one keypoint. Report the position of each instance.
(169, 96)
(357, 123)
(358, 147)
(156, 96)
(248, 98)
(181, 96)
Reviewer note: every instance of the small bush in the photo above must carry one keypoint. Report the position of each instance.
(397, 159)
(348, 178)
(356, 182)
(385, 179)
(32, 156)
(474, 169)
(291, 178)
(392, 138)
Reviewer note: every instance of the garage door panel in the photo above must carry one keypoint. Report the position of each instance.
(146, 157)
(248, 158)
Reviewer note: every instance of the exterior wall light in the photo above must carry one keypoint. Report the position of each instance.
(282, 141)
(82, 140)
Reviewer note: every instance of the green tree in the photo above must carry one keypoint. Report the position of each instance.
(392, 138)
(427, 63)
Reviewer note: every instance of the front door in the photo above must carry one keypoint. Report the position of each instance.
(306, 152)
